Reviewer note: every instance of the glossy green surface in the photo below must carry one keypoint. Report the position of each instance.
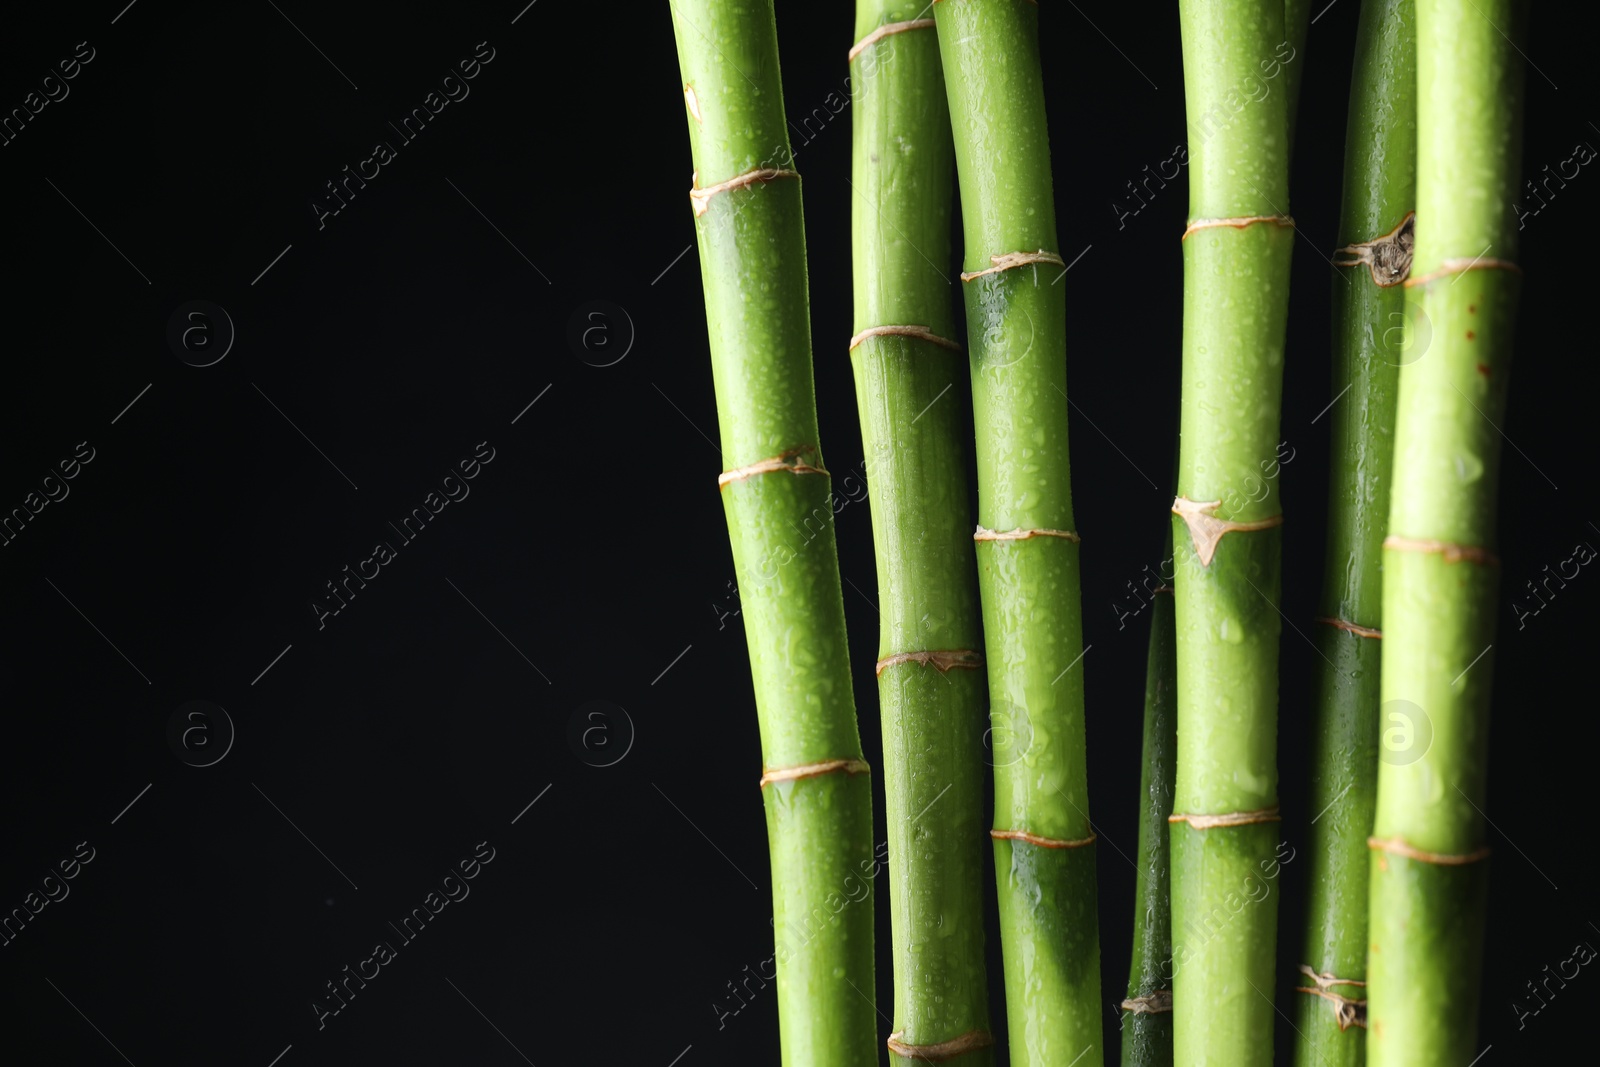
(1379, 190)
(911, 394)
(1235, 305)
(1016, 329)
(753, 268)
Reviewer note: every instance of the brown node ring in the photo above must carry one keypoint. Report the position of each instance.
(1240, 223)
(922, 333)
(1012, 260)
(1387, 258)
(887, 30)
(1452, 552)
(701, 198)
(982, 534)
(1440, 859)
(944, 1050)
(1205, 529)
(1227, 819)
(1156, 1003)
(812, 770)
(943, 660)
(1346, 1010)
(1324, 981)
(790, 460)
(1349, 627)
(1461, 266)
(1043, 842)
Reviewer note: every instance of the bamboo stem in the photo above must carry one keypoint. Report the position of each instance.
(909, 389)
(1028, 551)
(1236, 280)
(776, 494)
(1368, 301)
(1147, 1018)
(1428, 875)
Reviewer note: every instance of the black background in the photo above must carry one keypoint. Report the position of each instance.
(415, 325)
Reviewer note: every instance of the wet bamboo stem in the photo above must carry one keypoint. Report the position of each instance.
(1368, 308)
(1235, 303)
(1029, 583)
(910, 392)
(1428, 867)
(776, 495)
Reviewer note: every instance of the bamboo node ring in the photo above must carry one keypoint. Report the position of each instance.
(1346, 1010)
(943, 660)
(812, 770)
(922, 333)
(792, 460)
(1205, 529)
(1156, 1003)
(1452, 552)
(1011, 260)
(1461, 266)
(1325, 980)
(1228, 819)
(1440, 859)
(1042, 842)
(982, 534)
(944, 1050)
(886, 30)
(1387, 258)
(1240, 223)
(1348, 627)
(701, 198)
(1161, 589)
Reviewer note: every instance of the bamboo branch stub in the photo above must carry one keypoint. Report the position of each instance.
(887, 30)
(1228, 819)
(701, 198)
(1440, 859)
(1452, 552)
(943, 660)
(1156, 1003)
(1205, 529)
(1389, 254)
(812, 770)
(1349, 627)
(920, 332)
(1461, 266)
(1012, 260)
(1043, 842)
(788, 460)
(1238, 223)
(1348, 1011)
(1019, 534)
(944, 1050)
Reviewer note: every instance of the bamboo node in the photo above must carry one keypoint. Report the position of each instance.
(793, 460)
(1441, 859)
(1461, 266)
(812, 770)
(1011, 260)
(982, 534)
(1325, 980)
(943, 660)
(1452, 552)
(1042, 842)
(922, 333)
(1387, 258)
(701, 198)
(886, 30)
(1206, 529)
(1156, 1003)
(1348, 627)
(1161, 589)
(1239, 223)
(1346, 1010)
(944, 1050)
(1227, 819)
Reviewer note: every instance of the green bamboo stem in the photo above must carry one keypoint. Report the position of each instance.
(1028, 581)
(1429, 873)
(1147, 1018)
(776, 494)
(1368, 303)
(930, 681)
(1235, 303)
